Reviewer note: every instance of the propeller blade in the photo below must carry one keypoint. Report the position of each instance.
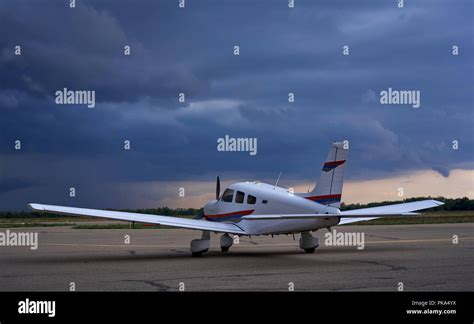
(218, 188)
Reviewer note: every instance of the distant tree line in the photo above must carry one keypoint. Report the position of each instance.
(450, 204)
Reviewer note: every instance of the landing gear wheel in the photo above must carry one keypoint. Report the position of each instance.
(225, 248)
(200, 246)
(308, 243)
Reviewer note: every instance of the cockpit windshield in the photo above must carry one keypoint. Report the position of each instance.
(227, 195)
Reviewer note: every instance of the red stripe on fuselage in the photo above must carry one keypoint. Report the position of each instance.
(324, 197)
(237, 213)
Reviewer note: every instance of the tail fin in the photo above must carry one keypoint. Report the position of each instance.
(328, 189)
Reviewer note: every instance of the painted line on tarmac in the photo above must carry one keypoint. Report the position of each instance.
(461, 239)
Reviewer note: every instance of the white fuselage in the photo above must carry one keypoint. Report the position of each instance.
(247, 198)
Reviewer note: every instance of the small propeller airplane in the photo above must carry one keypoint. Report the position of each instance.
(255, 208)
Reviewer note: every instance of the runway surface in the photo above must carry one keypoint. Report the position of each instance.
(421, 257)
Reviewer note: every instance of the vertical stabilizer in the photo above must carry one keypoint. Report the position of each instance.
(328, 189)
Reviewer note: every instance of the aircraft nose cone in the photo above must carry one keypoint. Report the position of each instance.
(210, 207)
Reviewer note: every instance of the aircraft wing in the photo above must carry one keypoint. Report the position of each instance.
(221, 227)
(405, 209)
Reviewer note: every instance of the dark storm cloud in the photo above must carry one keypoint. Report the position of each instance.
(81, 48)
(190, 50)
(7, 184)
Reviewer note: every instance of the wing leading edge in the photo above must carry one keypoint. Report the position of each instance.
(221, 227)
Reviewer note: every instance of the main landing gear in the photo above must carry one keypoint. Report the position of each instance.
(308, 242)
(226, 242)
(200, 246)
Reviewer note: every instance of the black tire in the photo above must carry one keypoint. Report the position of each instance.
(225, 248)
(197, 254)
(311, 250)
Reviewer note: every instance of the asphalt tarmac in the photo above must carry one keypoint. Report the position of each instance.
(415, 257)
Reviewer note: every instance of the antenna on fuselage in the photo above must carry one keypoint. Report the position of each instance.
(277, 180)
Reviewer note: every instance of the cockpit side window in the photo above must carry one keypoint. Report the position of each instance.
(228, 195)
(251, 200)
(239, 197)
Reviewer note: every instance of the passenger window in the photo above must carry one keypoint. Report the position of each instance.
(228, 195)
(239, 197)
(251, 200)
(264, 201)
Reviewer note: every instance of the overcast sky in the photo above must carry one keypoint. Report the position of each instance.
(190, 50)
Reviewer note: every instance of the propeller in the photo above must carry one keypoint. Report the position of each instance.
(218, 188)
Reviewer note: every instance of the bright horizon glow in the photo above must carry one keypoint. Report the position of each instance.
(459, 183)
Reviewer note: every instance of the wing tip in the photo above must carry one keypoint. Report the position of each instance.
(35, 207)
(437, 203)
